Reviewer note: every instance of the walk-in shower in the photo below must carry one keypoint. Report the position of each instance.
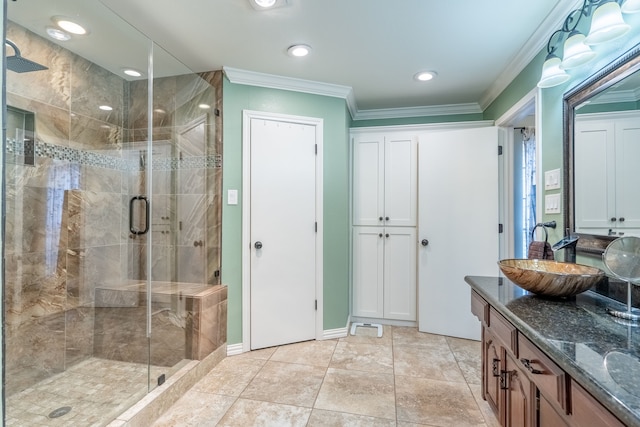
(112, 231)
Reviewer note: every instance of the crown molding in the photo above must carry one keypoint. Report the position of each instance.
(272, 81)
(631, 95)
(252, 78)
(412, 129)
(436, 110)
(530, 50)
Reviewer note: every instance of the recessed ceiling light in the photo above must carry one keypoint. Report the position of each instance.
(268, 4)
(69, 26)
(265, 3)
(424, 76)
(105, 108)
(131, 72)
(58, 34)
(299, 50)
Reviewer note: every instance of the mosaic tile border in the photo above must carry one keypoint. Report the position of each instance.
(56, 152)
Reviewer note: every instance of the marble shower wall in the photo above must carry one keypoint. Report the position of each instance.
(67, 217)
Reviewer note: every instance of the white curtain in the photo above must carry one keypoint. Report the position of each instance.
(529, 154)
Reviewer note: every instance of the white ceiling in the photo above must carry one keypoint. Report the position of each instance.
(373, 47)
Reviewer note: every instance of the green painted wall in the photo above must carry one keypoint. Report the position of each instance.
(237, 98)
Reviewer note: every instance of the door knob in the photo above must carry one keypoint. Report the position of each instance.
(424, 242)
(258, 245)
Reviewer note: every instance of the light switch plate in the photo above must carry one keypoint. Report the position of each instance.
(552, 179)
(232, 197)
(552, 203)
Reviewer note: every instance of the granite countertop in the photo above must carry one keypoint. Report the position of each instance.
(599, 351)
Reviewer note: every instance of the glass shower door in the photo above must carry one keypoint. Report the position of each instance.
(75, 332)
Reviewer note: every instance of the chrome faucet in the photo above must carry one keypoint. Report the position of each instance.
(568, 243)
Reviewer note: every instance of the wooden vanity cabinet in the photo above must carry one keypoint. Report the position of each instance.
(524, 386)
(514, 377)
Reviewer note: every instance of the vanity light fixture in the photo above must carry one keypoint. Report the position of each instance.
(552, 74)
(425, 76)
(268, 4)
(630, 6)
(204, 106)
(576, 51)
(299, 50)
(105, 108)
(70, 26)
(607, 23)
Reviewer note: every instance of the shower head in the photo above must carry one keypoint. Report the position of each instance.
(19, 64)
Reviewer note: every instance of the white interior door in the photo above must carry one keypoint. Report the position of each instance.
(458, 215)
(283, 232)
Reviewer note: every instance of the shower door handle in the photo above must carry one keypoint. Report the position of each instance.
(146, 215)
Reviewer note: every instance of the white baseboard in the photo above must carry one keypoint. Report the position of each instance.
(234, 349)
(329, 334)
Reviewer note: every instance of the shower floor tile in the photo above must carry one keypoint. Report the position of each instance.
(96, 390)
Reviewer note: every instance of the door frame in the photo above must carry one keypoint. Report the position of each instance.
(504, 123)
(247, 116)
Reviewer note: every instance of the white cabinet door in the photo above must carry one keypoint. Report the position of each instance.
(595, 159)
(400, 180)
(626, 173)
(368, 276)
(368, 179)
(384, 180)
(400, 298)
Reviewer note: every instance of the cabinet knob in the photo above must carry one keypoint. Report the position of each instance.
(258, 245)
(614, 219)
(386, 235)
(380, 218)
(386, 218)
(380, 235)
(621, 219)
(424, 242)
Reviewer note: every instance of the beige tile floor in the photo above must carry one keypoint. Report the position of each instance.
(95, 390)
(405, 378)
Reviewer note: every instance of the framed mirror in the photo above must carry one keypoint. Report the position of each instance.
(601, 139)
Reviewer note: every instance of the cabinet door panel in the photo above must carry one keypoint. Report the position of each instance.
(368, 271)
(586, 411)
(627, 177)
(400, 181)
(368, 179)
(520, 396)
(400, 273)
(547, 416)
(595, 194)
(493, 355)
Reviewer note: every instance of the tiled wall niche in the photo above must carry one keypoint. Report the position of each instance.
(67, 239)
